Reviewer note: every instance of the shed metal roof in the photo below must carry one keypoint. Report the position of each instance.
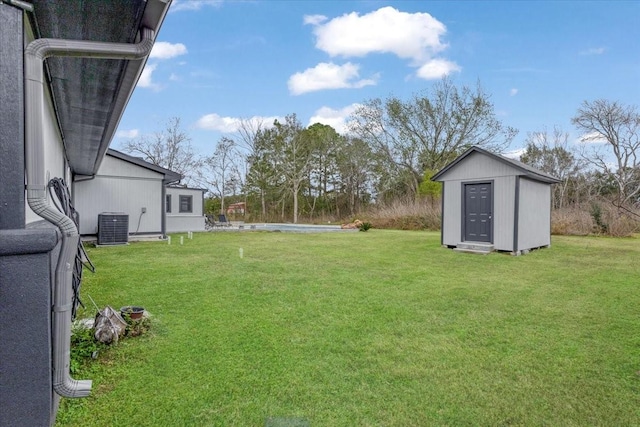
(89, 94)
(528, 171)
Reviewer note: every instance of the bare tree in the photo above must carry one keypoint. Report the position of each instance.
(619, 127)
(221, 168)
(170, 149)
(551, 153)
(355, 164)
(248, 133)
(296, 153)
(430, 129)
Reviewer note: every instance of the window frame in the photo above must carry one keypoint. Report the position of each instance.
(185, 199)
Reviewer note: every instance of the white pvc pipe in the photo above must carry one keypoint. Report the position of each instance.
(35, 54)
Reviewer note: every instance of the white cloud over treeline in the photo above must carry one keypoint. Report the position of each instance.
(416, 37)
(215, 122)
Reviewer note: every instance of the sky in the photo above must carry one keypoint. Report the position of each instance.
(217, 62)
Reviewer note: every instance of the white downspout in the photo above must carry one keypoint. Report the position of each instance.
(35, 54)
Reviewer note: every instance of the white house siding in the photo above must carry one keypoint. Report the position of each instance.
(534, 215)
(184, 223)
(112, 166)
(121, 186)
(177, 221)
(54, 159)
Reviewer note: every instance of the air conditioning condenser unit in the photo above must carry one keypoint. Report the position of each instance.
(113, 228)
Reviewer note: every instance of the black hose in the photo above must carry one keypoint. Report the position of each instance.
(62, 202)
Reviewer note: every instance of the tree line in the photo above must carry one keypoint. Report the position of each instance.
(284, 170)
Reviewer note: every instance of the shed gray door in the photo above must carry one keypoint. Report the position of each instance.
(478, 220)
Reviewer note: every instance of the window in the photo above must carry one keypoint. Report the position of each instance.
(186, 204)
(167, 203)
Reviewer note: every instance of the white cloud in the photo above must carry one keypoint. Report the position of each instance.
(166, 50)
(337, 119)
(514, 154)
(127, 133)
(437, 68)
(592, 138)
(593, 51)
(174, 77)
(160, 50)
(314, 19)
(413, 36)
(218, 123)
(145, 78)
(178, 5)
(513, 92)
(328, 76)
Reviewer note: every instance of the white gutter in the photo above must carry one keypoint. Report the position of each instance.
(27, 7)
(35, 54)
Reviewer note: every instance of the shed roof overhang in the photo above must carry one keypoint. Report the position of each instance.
(90, 95)
(526, 170)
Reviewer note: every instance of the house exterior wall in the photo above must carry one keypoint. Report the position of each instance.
(114, 167)
(121, 186)
(177, 221)
(54, 159)
(534, 215)
(12, 195)
(27, 257)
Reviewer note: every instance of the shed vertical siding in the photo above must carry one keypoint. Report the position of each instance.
(534, 228)
(478, 167)
(452, 213)
(503, 209)
(521, 216)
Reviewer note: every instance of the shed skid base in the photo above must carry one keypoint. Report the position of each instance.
(474, 248)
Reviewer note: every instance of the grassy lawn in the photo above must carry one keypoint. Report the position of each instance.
(384, 328)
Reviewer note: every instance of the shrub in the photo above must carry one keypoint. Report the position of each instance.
(601, 217)
(136, 327)
(83, 345)
(596, 214)
(421, 214)
(364, 226)
(571, 221)
(619, 222)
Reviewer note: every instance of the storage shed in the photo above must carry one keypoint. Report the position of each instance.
(491, 202)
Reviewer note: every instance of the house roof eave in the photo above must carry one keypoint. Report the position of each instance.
(90, 95)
